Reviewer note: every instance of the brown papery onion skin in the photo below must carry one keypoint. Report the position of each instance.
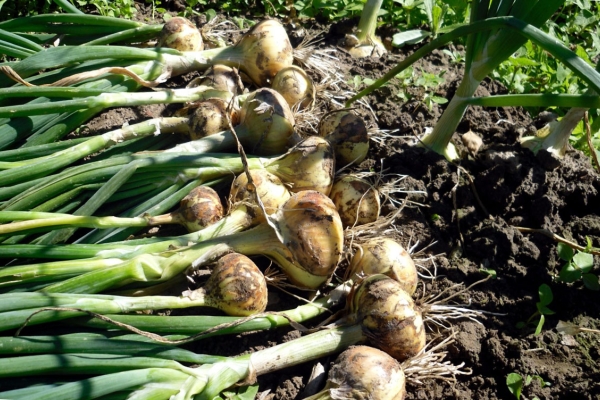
(364, 372)
(357, 200)
(267, 50)
(180, 34)
(388, 316)
(309, 165)
(269, 188)
(200, 208)
(235, 286)
(388, 257)
(209, 117)
(311, 228)
(296, 87)
(348, 135)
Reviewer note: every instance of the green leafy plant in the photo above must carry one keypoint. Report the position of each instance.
(578, 266)
(546, 297)
(516, 383)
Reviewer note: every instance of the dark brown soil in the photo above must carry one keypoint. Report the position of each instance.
(468, 220)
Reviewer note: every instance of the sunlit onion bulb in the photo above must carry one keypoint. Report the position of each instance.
(266, 123)
(235, 286)
(295, 86)
(209, 117)
(348, 135)
(180, 34)
(312, 230)
(357, 200)
(271, 191)
(363, 372)
(388, 257)
(266, 50)
(200, 208)
(222, 79)
(309, 165)
(389, 317)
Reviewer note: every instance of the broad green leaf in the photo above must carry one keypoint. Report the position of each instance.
(515, 384)
(522, 62)
(409, 37)
(545, 294)
(439, 100)
(569, 273)
(544, 310)
(564, 252)
(585, 261)
(591, 281)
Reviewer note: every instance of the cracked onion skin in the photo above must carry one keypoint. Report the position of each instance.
(200, 208)
(348, 135)
(364, 373)
(356, 200)
(180, 34)
(388, 316)
(311, 229)
(388, 257)
(235, 286)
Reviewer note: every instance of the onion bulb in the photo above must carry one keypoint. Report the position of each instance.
(200, 208)
(348, 135)
(357, 200)
(266, 123)
(363, 372)
(268, 187)
(235, 286)
(261, 52)
(222, 79)
(388, 316)
(388, 257)
(209, 117)
(309, 165)
(180, 34)
(296, 87)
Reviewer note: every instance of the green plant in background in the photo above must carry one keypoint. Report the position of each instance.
(516, 383)
(546, 297)
(578, 266)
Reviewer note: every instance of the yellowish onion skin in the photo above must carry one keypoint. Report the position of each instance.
(200, 208)
(389, 317)
(364, 372)
(309, 165)
(209, 117)
(266, 123)
(180, 34)
(262, 52)
(296, 87)
(348, 135)
(271, 191)
(235, 286)
(388, 257)
(357, 200)
(311, 229)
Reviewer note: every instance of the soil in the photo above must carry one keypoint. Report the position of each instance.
(463, 218)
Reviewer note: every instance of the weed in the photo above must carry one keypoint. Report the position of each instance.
(578, 266)
(546, 297)
(516, 383)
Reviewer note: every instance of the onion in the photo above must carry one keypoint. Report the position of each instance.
(209, 117)
(388, 257)
(200, 208)
(221, 78)
(363, 372)
(388, 316)
(309, 165)
(348, 135)
(295, 86)
(180, 34)
(265, 50)
(357, 200)
(268, 187)
(235, 286)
